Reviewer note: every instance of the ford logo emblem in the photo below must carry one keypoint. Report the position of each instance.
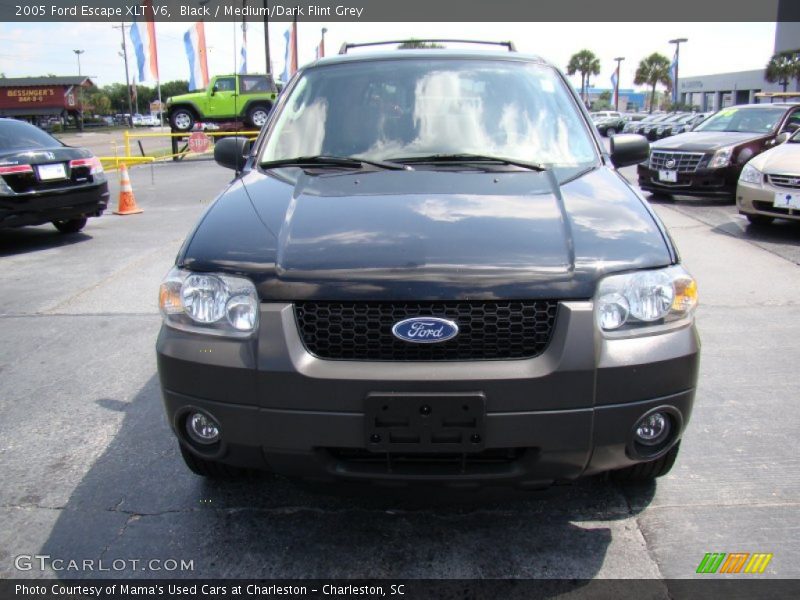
(425, 330)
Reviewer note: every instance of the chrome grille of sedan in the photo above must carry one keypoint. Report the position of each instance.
(785, 181)
(683, 162)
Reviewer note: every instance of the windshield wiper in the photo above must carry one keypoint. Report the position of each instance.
(472, 158)
(320, 160)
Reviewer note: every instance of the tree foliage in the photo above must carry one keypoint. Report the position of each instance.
(417, 44)
(783, 67)
(651, 71)
(586, 63)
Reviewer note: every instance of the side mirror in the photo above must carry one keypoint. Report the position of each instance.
(782, 137)
(628, 149)
(231, 152)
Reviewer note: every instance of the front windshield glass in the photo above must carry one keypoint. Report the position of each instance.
(749, 120)
(795, 137)
(406, 108)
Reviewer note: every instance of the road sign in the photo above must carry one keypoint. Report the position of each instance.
(199, 142)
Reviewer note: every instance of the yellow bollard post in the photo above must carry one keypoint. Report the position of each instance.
(127, 143)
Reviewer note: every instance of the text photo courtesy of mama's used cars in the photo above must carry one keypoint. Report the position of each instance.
(299, 298)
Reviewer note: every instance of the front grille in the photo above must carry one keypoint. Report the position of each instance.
(684, 162)
(785, 181)
(487, 330)
(490, 461)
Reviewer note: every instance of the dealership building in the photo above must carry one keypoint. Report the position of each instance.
(713, 92)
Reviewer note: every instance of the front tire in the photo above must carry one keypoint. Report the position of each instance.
(257, 115)
(70, 225)
(181, 119)
(760, 220)
(647, 471)
(209, 468)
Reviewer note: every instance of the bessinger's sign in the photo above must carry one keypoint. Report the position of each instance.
(24, 95)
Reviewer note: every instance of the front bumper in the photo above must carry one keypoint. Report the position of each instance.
(710, 183)
(37, 208)
(566, 413)
(757, 199)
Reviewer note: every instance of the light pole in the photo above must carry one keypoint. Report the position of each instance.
(677, 42)
(80, 91)
(266, 39)
(324, 31)
(619, 59)
(124, 55)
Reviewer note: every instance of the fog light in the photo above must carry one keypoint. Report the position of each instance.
(202, 428)
(653, 429)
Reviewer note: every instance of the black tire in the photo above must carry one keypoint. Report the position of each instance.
(70, 225)
(760, 220)
(647, 471)
(209, 468)
(181, 119)
(257, 115)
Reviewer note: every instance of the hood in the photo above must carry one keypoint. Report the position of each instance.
(781, 160)
(186, 97)
(705, 141)
(426, 234)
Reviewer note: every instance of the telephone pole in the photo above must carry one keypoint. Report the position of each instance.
(619, 60)
(127, 78)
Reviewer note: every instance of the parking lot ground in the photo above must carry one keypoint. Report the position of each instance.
(91, 469)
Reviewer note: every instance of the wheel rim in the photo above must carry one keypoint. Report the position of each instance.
(182, 121)
(611, 132)
(259, 117)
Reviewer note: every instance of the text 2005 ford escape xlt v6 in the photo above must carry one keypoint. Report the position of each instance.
(429, 271)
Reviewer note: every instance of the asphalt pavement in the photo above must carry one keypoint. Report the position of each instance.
(91, 470)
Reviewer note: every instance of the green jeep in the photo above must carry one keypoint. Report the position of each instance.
(228, 98)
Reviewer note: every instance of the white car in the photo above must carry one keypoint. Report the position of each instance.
(769, 185)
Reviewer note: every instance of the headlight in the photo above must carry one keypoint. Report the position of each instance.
(751, 175)
(209, 303)
(645, 301)
(721, 158)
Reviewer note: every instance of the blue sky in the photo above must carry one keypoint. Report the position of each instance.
(41, 48)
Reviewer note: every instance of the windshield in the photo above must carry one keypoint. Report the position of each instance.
(392, 109)
(750, 120)
(16, 135)
(795, 139)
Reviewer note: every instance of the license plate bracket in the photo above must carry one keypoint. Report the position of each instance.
(51, 172)
(787, 200)
(668, 176)
(422, 422)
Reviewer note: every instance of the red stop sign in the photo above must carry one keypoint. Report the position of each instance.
(199, 142)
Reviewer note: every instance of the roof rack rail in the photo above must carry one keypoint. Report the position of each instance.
(345, 46)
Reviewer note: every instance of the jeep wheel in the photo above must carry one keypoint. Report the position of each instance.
(181, 119)
(647, 471)
(257, 115)
(209, 468)
(71, 225)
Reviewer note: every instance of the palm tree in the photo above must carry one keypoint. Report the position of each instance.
(585, 63)
(653, 70)
(779, 69)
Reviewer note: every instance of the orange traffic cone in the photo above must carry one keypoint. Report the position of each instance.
(127, 203)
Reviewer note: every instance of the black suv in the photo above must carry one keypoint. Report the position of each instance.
(707, 161)
(428, 269)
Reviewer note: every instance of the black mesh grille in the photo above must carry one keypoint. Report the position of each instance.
(487, 330)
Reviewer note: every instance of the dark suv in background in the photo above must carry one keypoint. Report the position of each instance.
(429, 271)
(707, 161)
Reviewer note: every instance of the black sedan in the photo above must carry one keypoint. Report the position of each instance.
(44, 181)
(707, 161)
